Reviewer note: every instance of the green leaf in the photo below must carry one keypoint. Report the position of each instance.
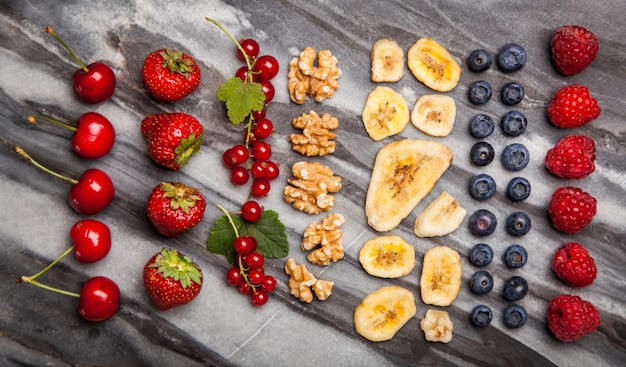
(241, 98)
(268, 231)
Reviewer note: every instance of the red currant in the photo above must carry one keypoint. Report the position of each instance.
(228, 161)
(257, 115)
(268, 90)
(239, 154)
(251, 211)
(239, 176)
(268, 284)
(243, 73)
(250, 46)
(254, 260)
(259, 298)
(263, 128)
(272, 170)
(265, 67)
(234, 276)
(245, 288)
(255, 276)
(260, 187)
(261, 151)
(249, 137)
(258, 169)
(243, 245)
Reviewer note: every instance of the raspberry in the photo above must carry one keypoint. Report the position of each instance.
(571, 317)
(571, 209)
(573, 106)
(572, 157)
(573, 264)
(573, 49)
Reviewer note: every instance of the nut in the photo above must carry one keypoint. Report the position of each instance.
(318, 82)
(310, 187)
(316, 138)
(301, 281)
(327, 236)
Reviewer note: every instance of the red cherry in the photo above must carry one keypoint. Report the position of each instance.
(92, 193)
(99, 298)
(92, 240)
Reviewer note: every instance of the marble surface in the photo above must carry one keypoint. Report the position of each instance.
(221, 327)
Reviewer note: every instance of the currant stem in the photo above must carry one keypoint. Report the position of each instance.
(25, 155)
(249, 76)
(50, 31)
(33, 121)
(31, 279)
(230, 219)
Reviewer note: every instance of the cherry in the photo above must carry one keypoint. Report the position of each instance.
(99, 298)
(92, 240)
(251, 211)
(265, 67)
(250, 46)
(93, 83)
(259, 298)
(94, 134)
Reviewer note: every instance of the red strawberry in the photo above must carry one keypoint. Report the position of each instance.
(572, 157)
(573, 264)
(172, 138)
(174, 208)
(571, 317)
(572, 209)
(573, 106)
(573, 49)
(170, 75)
(171, 279)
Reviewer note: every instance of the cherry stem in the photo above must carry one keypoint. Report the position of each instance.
(31, 279)
(25, 155)
(230, 219)
(50, 31)
(33, 121)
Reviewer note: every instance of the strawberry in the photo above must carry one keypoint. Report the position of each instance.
(174, 208)
(172, 138)
(573, 49)
(170, 75)
(171, 279)
(572, 157)
(573, 106)
(573, 264)
(571, 317)
(571, 209)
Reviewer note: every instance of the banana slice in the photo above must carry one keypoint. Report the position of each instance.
(440, 282)
(437, 326)
(433, 65)
(404, 172)
(441, 217)
(387, 257)
(382, 313)
(434, 114)
(385, 113)
(387, 61)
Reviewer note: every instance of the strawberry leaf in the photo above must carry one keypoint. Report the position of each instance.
(241, 98)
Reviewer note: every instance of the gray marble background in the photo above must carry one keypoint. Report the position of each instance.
(221, 327)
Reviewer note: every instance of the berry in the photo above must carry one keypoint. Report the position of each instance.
(234, 276)
(261, 151)
(514, 123)
(238, 154)
(515, 288)
(254, 260)
(272, 170)
(172, 138)
(227, 159)
(244, 73)
(482, 153)
(91, 240)
(479, 60)
(99, 299)
(481, 316)
(265, 68)
(239, 176)
(512, 93)
(251, 48)
(573, 48)
(573, 265)
(514, 316)
(268, 284)
(260, 187)
(515, 157)
(245, 288)
(174, 208)
(255, 276)
(572, 157)
(573, 106)
(169, 75)
(482, 222)
(258, 169)
(571, 209)
(511, 57)
(263, 128)
(480, 92)
(518, 189)
(571, 317)
(481, 255)
(259, 298)
(515, 256)
(518, 224)
(481, 126)
(482, 187)
(244, 245)
(269, 91)
(251, 211)
(481, 282)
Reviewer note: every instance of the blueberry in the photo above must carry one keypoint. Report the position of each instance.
(481, 282)
(515, 256)
(481, 126)
(482, 153)
(479, 60)
(515, 157)
(482, 186)
(514, 316)
(483, 222)
(481, 316)
(511, 57)
(518, 189)
(479, 92)
(514, 123)
(481, 254)
(518, 224)
(515, 288)
(512, 93)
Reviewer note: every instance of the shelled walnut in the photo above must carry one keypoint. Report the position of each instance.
(317, 136)
(326, 240)
(306, 79)
(309, 188)
(302, 283)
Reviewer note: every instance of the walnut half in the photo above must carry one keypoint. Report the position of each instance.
(309, 188)
(302, 284)
(326, 240)
(306, 79)
(317, 136)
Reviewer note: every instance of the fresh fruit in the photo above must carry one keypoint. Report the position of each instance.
(251, 48)
(518, 223)
(94, 83)
(482, 187)
(441, 217)
(573, 106)
(387, 61)
(170, 75)
(171, 279)
(244, 245)
(514, 123)
(515, 157)
(481, 255)
(387, 257)
(265, 68)
(481, 126)
(382, 313)
(573, 48)
(481, 316)
(482, 222)
(437, 326)
(573, 265)
(94, 134)
(514, 316)
(482, 153)
(515, 256)
(99, 299)
(571, 209)
(515, 288)
(404, 172)
(251, 211)
(172, 138)
(479, 60)
(434, 114)
(386, 113)
(479, 92)
(512, 93)
(481, 282)
(571, 317)
(573, 157)
(91, 240)
(433, 65)
(440, 281)
(511, 57)
(174, 208)
(518, 189)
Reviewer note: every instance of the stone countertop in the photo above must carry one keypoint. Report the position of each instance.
(221, 327)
